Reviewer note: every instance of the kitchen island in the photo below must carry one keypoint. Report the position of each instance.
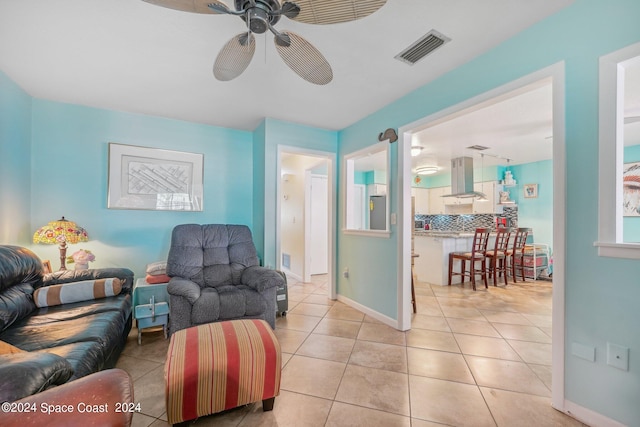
(433, 248)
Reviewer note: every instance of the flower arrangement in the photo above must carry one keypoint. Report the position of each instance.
(81, 256)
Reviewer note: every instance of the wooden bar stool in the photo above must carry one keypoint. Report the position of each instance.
(477, 255)
(413, 289)
(497, 256)
(516, 252)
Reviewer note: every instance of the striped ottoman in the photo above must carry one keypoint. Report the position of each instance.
(219, 366)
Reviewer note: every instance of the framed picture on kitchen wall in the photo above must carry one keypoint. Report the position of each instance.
(631, 189)
(530, 191)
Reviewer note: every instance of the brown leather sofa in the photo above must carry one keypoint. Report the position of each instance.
(52, 345)
(104, 398)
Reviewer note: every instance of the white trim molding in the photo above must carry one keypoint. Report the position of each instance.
(611, 154)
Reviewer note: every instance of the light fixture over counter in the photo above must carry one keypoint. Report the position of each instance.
(427, 170)
(416, 150)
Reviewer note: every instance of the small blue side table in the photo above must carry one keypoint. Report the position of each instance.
(150, 306)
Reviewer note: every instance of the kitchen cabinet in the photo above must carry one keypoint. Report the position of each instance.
(491, 206)
(421, 198)
(436, 201)
(377, 189)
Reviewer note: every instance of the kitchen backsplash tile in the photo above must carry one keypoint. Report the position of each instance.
(469, 222)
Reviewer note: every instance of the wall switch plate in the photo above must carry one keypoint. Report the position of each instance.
(394, 218)
(586, 352)
(618, 356)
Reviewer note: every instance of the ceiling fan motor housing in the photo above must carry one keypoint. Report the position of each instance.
(258, 15)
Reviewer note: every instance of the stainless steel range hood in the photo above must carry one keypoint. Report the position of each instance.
(462, 178)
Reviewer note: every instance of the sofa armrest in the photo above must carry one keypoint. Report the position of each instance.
(185, 288)
(24, 374)
(67, 276)
(261, 278)
(104, 398)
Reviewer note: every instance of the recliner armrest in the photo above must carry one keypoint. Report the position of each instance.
(185, 288)
(261, 278)
(67, 276)
(24, 374)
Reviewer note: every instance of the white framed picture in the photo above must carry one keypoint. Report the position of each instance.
(154, 179)
(530, 191)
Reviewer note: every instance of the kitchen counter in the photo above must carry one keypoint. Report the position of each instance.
(434, 247)
(443, 233)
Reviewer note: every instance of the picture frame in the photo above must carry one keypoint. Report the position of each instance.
(530, 191)
(154, 179)
(631, 189)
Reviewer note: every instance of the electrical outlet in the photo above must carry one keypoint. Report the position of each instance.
(618, 356)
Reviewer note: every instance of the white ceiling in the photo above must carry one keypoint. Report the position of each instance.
(517, 126)
(132, 56)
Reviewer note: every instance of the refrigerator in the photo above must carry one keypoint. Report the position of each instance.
(377, 212)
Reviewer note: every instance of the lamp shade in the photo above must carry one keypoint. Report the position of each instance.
(59, 231)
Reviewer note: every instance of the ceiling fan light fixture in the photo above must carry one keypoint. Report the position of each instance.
(427, 170)
(416, 150)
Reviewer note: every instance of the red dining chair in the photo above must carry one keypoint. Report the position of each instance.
(497, 256)
(516, 252)
(476, 259)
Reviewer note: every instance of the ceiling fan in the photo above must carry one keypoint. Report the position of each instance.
(262, 15)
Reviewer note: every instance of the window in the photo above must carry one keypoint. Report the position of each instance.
(367, 191)
(619, 168)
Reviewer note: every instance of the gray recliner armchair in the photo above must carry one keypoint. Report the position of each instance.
(216, 276)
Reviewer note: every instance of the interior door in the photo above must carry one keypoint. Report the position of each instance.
(319, 224)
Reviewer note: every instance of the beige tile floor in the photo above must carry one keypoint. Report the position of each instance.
(471, 359)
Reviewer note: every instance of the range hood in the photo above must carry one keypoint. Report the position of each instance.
(462, 178)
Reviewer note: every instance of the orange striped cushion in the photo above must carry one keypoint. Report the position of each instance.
(76, 291)
(218, 366)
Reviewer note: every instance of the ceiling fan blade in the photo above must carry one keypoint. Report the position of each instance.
(304, 59)
(234, 57)
(334, 12)
(290, 10)
(195, 6)
(631, 119)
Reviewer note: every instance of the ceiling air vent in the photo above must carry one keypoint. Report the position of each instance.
(477, 147)
(422, 47)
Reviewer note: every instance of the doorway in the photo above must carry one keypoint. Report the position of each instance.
(555, 74)
(305, 212)
(316, 223)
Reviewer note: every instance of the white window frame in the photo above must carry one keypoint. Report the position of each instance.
(611, 154)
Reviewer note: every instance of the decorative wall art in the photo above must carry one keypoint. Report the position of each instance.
(631, 189)
(154, 179)
(530, 191)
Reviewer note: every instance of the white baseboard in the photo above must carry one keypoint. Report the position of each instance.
(369, 312)
(292, 275)
(587, 416)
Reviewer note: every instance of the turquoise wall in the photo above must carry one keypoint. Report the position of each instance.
(259, 143)
(631, 225)
(488, 173)
(15, 163)
(69, 177)
(535, 213)
(601, 293)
